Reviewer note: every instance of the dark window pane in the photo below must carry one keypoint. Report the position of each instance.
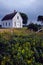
(6, 24)
(17, 17)
(3, 24)
(9, 24)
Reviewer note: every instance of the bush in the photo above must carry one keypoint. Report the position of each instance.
(34, 27)
(21, 50)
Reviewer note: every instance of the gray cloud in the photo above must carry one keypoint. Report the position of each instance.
(32, 8)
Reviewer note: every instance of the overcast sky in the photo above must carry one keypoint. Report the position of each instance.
(32, 8)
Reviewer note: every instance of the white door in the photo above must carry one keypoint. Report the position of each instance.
(18, 24)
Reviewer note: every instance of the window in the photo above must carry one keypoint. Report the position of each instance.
(17, 17)
(6, 23)
(20, 24)
(14, 23)
(3, 24)
(9, 24)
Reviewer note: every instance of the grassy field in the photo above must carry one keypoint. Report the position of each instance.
(21, 47)
(22, 31)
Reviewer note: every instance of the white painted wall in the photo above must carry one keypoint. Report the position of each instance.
(17, 22)
(7, 26)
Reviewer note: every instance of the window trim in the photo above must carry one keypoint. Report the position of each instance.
(6, 23)
(9, 23)
(3, 24)
(17, 17)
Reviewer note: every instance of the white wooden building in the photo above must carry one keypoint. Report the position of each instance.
(13, 20)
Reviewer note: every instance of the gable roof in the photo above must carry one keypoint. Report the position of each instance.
(10, 16)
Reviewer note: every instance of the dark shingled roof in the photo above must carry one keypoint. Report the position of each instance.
(10, 16)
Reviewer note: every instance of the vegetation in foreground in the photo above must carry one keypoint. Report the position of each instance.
(19, 48)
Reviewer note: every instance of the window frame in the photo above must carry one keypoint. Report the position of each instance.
(3, 24)
(6, 23)
(17, 17)
(9, 23)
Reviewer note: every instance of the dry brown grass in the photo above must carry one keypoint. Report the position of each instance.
(22, 31)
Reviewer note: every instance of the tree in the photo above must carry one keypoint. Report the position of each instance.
(34, 27)
(25, 18)
(40, 18)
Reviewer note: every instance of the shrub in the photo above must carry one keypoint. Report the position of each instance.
(34, 27)
(21, 50)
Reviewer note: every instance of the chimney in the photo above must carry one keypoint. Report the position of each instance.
(14, 11)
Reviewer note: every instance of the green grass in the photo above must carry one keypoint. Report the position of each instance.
(21, 47)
